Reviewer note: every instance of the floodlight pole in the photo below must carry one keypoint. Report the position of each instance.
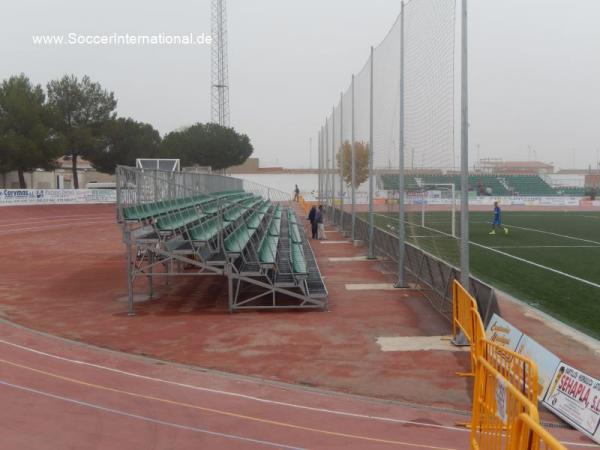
(371, 254)
(353, 170)
(401, 283)
(342, 162)
(464, 154)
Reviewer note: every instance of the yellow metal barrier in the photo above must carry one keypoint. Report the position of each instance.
(496, 406)
(530, 435)
(466, 321)
(506, 386)
(462, 303)
(519, 370)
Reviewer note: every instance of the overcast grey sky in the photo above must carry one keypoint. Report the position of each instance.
(534, 67)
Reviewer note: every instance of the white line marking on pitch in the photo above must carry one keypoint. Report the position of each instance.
(545, 246)
(335, 242)
(418, 344)
(526, 261)
(235, 394)
(144, 418)
(553, 234)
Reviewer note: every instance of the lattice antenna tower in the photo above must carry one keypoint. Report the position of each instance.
(219, 69)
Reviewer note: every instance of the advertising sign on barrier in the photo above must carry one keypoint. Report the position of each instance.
(575, 397)
(56, 196)
(546, 361)
(502, 332)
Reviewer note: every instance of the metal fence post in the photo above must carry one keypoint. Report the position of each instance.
(333, 165)
(371, 254)
(401, 176)
(319, 164)
(353, 169)
(464, 155)
(326, 161)
(342, 162)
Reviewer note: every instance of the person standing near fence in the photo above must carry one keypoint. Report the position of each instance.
(320, 220)
(296, 194)
(312, 218)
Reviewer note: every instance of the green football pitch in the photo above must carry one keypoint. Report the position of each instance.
(550, 260)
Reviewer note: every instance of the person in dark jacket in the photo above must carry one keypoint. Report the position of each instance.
(312, 217)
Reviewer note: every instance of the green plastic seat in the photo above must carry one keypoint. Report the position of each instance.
(295, 234)
(275, 227)
(297, 259)
(237, 241)
(254, 220)
(206, 230)
(268, 250)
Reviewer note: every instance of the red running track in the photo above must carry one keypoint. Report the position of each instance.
(60, 394)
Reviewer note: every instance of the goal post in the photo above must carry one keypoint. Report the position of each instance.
(438, 197)
(168, 165)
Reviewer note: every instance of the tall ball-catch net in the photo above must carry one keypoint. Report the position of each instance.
(368, 116)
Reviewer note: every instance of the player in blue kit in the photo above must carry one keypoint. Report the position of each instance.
(497, 223)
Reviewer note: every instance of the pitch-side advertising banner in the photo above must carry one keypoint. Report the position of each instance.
(575, 397)
(502, 332)
(56, 196)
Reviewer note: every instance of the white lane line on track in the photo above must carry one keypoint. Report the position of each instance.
(145, 418)
(51, 220)
(262, 400)
(51, 227)
(235, 394)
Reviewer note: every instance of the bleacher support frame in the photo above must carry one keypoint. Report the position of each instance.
(162, 213)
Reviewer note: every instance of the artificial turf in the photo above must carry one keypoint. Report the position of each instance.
(568, 242)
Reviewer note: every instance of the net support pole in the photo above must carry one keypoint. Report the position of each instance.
(353, 169)
(464, 154)
(319, 165)
(320, 172)
(326, 158)
(342, 162)
(333, 165)
(401, 283)
(371, 253)
(453, 193)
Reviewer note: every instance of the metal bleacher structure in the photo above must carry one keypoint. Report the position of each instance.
(193, 224)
